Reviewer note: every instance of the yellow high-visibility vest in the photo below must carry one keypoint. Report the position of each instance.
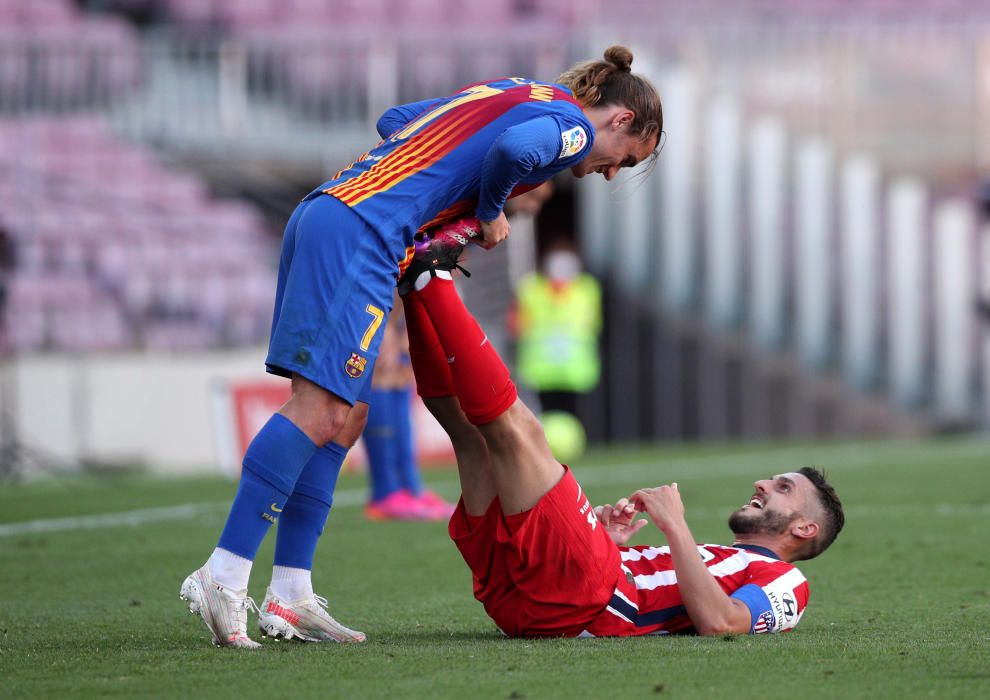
(558, 333)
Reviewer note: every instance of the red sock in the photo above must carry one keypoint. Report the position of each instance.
(429, 362)
(482, 380)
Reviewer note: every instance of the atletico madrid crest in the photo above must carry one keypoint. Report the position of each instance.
(355, 366)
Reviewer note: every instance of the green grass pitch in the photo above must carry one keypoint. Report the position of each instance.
(900, 607)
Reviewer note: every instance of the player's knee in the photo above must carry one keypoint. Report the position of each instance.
(330, 426)
(527, 424)
(321, 415)
(449, 415)
(468, 437)
(352, 428)
(321, 429)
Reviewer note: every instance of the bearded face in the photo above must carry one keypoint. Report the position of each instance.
(749, 520)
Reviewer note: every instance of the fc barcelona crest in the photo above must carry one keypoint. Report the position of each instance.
(355, 366)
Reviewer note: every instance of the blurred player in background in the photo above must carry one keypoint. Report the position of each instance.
(544, 562)
(397, 491)
(557, 321)
(347, 241)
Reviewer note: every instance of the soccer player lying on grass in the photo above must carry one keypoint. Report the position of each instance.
(544, 562)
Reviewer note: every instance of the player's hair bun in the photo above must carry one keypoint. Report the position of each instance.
(611, 81)
(620, 57)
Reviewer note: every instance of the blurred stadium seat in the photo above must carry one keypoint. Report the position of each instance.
(116, 249)
(53, 56)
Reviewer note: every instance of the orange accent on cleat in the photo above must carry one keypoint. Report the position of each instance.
(276, 609)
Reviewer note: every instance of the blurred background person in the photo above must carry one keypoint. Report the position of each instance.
(557, 321)
(397, 491)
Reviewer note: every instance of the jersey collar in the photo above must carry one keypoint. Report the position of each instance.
(757, 549)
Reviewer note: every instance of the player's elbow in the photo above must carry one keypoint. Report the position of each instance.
(715, 629)
(718, 620)
(719, 626)
(388, 123)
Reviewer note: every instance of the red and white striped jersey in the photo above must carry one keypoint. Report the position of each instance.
(647, 600)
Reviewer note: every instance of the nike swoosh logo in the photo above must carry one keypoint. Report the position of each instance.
(275, 507)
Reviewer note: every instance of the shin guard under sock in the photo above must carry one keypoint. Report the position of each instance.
(481, 379)
(305, 513)
(429, 363)
(272, 465)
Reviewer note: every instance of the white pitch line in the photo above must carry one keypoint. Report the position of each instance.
(131, 518)
(755, 463)
(134, 518)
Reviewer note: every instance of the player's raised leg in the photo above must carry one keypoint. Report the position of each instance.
(522, 466)
(435, 386)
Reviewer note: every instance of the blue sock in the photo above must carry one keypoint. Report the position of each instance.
(379, 441)
(305, 513)
(405, 459)
(272, 464)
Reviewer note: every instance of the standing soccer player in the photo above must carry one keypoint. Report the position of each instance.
(344, 246)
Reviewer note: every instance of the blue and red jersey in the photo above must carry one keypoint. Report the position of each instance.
(465, 154)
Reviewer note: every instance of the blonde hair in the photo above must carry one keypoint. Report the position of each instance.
(612, 82)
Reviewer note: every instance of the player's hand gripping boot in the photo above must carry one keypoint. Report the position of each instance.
(439, 251)
(223, 611)
(306, 620)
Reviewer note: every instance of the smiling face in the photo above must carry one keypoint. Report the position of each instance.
(615, 147)
(775, 506)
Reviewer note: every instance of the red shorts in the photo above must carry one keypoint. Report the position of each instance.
(544, 573)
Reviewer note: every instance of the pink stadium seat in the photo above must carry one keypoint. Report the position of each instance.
(26, 293)
(489, 14)
(243, 327)
(15, 69)
(118, 60)
(365, 13)
(195, 12)
(130, 240)
(98, 327)
(61, 69)
(46, 13)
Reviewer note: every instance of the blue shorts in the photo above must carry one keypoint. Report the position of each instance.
(335, 285)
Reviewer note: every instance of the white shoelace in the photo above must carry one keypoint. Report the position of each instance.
(325, 604)
(240, 609)
(338, 629)
(325, 612)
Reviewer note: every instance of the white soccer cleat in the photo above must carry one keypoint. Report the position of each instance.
(223, 611)
(305, 620)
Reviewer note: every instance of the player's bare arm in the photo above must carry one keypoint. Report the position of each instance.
(711, 611)
(618, 520)
(494, 232)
